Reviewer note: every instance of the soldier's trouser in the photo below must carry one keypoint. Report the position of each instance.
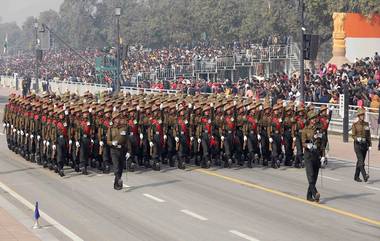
(312, 165)
(228, 146)
(276, 148)
(361, 153)
(205, 144)
(288, 148)
(84, 151)
(118, 159)
(265, 147)
(61, 152)
(299, 151)
(106, 156)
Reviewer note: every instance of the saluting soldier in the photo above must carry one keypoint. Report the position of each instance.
(311, 141)
(362, 143)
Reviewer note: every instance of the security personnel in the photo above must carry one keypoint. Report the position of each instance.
(311, 141)
(117, 140)
(362, 143)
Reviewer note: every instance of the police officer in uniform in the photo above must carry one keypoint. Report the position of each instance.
(362, 143)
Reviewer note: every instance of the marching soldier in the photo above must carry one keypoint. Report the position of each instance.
(181, 137)
(117, 140)
(83, 134)
(275, 136)
(324, 122)
(362, 143)
(311, 142)
(251, 141)
(300, 123)
(264, 133)
(61, 143)
(289, 134)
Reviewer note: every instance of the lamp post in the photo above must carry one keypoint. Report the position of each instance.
(36, 50)
(117, 80)
(302, 57)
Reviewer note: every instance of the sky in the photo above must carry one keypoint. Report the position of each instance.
(19, 10)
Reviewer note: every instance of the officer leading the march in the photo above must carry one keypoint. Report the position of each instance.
(311, 142)
(362, 143)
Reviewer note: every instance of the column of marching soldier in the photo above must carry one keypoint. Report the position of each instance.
(127, 131)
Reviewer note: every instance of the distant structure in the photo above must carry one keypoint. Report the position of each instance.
(355, 36)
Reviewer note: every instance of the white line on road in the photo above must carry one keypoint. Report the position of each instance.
(194, 215)
(331, 178)
(154, 198)
(242, 235)
(49, 219)
(373, 188)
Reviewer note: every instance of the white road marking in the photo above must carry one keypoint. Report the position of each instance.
(194, 215)
(373, 188)
(154, 198)
(351, 162)
(49, 219)
(2, 134)
(242, 235)
(331, 178)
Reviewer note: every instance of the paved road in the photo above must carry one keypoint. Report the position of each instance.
(217, 204)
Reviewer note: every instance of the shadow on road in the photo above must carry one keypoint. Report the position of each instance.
(346, 196)
(130, 189)
(18, 170)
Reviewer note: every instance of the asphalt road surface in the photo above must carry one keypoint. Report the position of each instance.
(216, 204)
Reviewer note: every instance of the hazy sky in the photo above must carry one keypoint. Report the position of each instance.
(19, 10)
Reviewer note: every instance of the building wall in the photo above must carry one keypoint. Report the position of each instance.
(362, 36)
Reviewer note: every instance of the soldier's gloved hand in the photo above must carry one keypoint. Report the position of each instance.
(137, 108)
(38, 138)
(222, 138)
(114, 143)
(191, 138)
(199, 140)
(18, 132)
(101, 143)
(309, 146)
(77, 144)
(14, 130)
(7, 124)
(370, 148)
(323, 163)
(294, 139)
(54, 147)
(66, 112)
(151, 144)
(245, 138)
(176, 139)
(88, 123)
(280, 120)
(22, 133)
(47, 143)
(44, 142)
(270, 139)
(12, 126)
(165, 137)
(4, 124)
(92, 141)
(127, 156)
(258, 137)
(26, 134)
(359, 139)
(70, 142)
(141, 136)
(31, 137)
